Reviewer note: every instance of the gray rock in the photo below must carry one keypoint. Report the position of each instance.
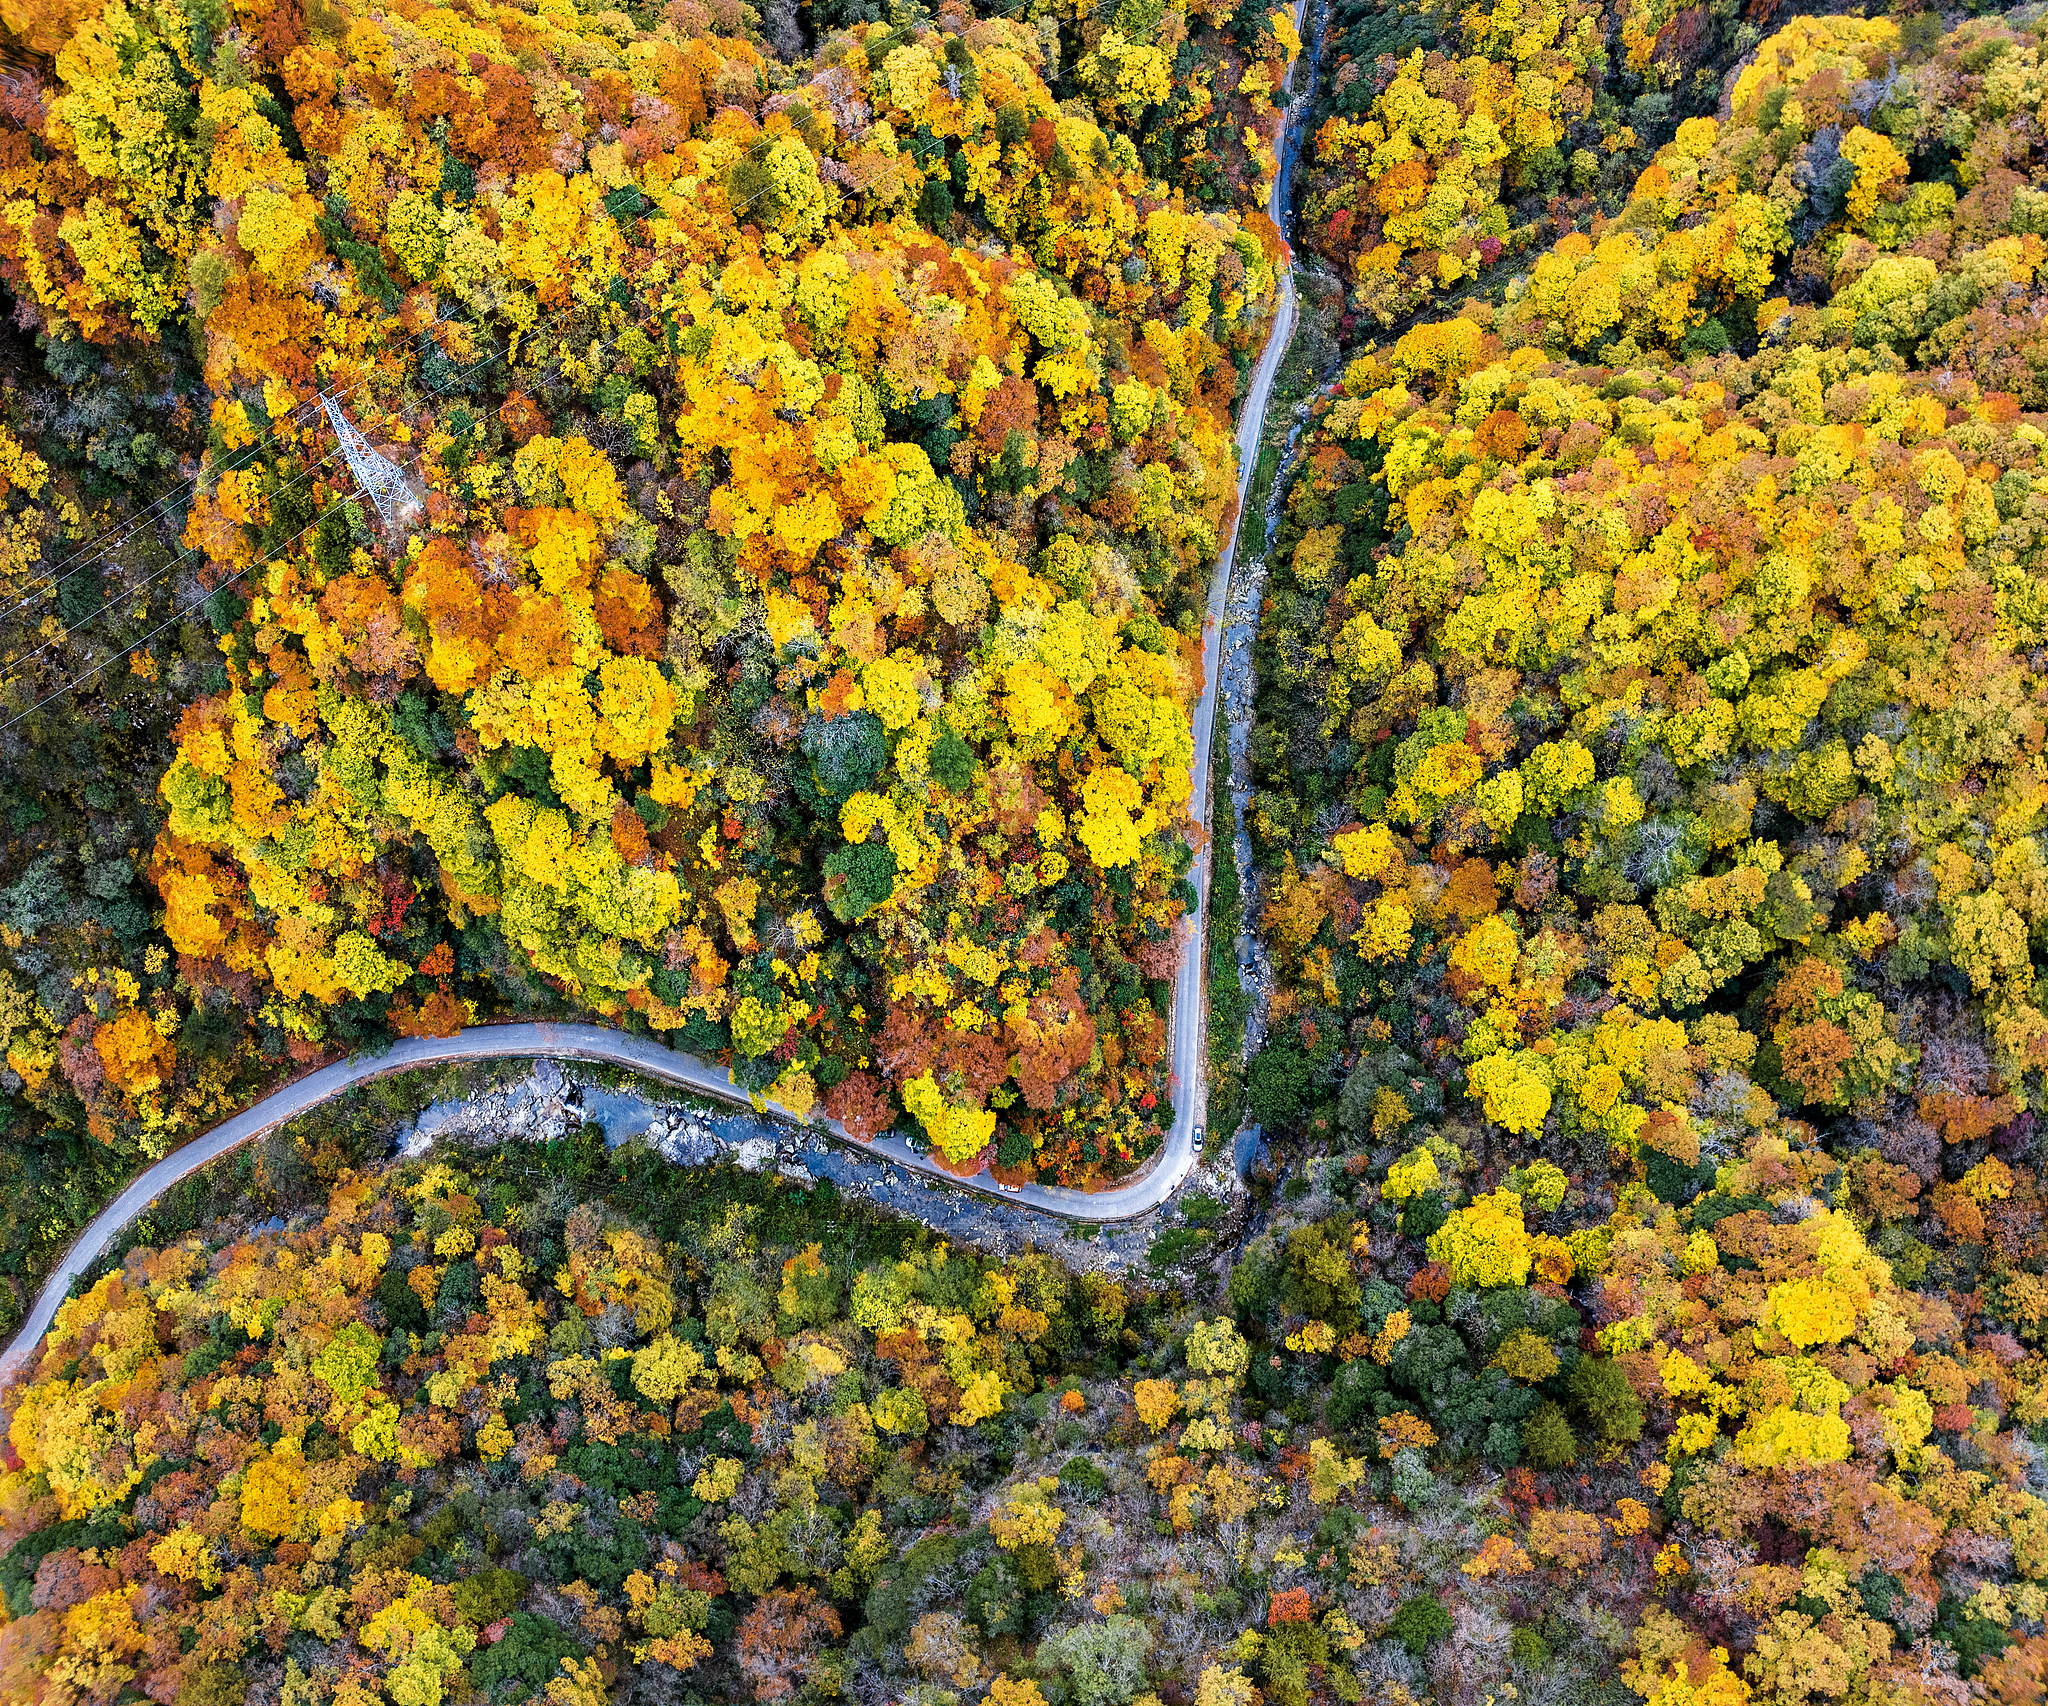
(692, 1148)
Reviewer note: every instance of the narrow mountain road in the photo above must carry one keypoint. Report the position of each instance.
(1175, 1160)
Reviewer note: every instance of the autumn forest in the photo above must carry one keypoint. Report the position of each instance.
(705, 519)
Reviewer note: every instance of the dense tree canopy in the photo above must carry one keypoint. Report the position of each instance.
(1647, 801)
(814, 462)
(816, 430)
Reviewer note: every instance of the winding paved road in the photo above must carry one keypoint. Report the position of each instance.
(1175, 1160)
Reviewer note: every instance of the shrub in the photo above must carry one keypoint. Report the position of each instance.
(1419, 1623)
(858, 879)
(1975, 1638)
(905, 1585)
(1279, 1084)
(1412, 1483)
(1084, 1480)
(900, 1411)
(488, 1595)
(1541, 1185)
(1174, 1243)
(1292, 1645)
(1104, 1662)
(214, 1685)
(1547, 1439)
(1217, 1348)
(525, 1661)
(1604, 1397)
(1320, 1281)
(1157, 1402)
(1423, 1215)
(1526, 1356)
(1410, 1176)
(1352, 1394)
(1485, 1244)
(1567, 1537)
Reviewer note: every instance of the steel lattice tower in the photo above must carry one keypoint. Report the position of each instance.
(377, 475)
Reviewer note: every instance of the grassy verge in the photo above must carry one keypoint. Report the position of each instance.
(1310, 353)
(1228, 1002)
(1251, 537)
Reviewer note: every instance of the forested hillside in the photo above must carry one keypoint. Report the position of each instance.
(815, 434)
(1650, 723)
(481, 1429)
(457, 1438)
(1647, 807)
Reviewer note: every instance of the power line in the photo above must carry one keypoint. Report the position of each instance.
(104, 545)
(303, 474)
(907, 156)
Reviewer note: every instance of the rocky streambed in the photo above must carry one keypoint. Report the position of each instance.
(553, 1102)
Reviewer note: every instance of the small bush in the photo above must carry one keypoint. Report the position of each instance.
(1424, 1215)
(1420, 1623)
(1081, 1478)
(489, 1595)
(1170, 1246)
(440, 1529)
(1975, 1638)
(1604, 1397)
(214, 1685)
(525, 1661)
(1529, 1650)
(1410, 1479)
(1104, 1662)
(1279, 1085)
(1547, 1439)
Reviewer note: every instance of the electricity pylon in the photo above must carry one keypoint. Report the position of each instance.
(379, 476)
